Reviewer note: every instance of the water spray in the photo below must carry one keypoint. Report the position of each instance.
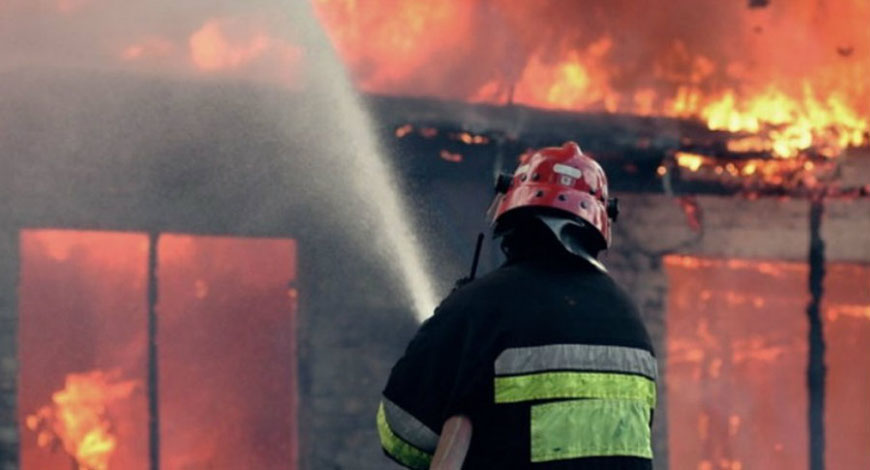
(373, 182)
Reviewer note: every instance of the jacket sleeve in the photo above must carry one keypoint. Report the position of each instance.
(427, 385)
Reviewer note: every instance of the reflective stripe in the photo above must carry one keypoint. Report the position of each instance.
(576, 357)
(566, 170)
(409, 428)
(550, 385)
(590, 428)
(405, 453)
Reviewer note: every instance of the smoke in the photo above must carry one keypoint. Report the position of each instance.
(326, 136)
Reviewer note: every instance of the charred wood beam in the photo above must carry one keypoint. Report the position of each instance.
(153, 369)
(816, 369)
(9, 272)
(632, 149)
(178, 167)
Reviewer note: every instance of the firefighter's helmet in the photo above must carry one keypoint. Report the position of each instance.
(565, 188)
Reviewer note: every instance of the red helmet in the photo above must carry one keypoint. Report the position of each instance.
(564, 180)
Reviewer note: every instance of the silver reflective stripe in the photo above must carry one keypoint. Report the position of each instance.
(409, 428)
(576, 357)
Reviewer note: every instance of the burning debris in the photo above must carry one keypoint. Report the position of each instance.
(665, 67)
(677, 156)
(751, 175)
(79, 421)
(765, 124)
(451, 157)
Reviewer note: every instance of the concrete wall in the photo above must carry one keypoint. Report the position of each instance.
(652, 226)
(353, 327)
(8, 348)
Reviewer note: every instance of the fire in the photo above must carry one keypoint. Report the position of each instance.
(691, 161)
(212, 49)
(384, 42)
(78, 420)
(787, 79)
(451, 157)
(577, 81)
(789, 125)
(468, 138)
(754, 173)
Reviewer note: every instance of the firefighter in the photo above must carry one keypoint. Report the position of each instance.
(544, 362)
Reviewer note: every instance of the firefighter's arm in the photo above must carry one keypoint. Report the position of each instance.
(421, 396)
(453, 444)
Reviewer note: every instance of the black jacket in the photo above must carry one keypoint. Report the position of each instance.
(549, 360)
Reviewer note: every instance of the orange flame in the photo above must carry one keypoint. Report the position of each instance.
(384, 42)
(578, 81)
(747, 78)
(791, 124)
(212, 49)
(78, 417)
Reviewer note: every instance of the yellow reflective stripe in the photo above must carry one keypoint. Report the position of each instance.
(551, 385)
(408, 428)
(590, 428)
(404, 453)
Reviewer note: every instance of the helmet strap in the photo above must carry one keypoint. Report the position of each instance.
(561, 228)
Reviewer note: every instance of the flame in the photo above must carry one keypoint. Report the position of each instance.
(248, 47)
(800, 171)
(746, 78)
(78, 417)
(788, 79)
(576, 81)
(404, 130)
(789, 125)
(692, 161)
(212, 49)
(384, 42)
(451, 157)
(470, 139)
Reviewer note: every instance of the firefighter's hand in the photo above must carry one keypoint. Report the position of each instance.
(453, 444)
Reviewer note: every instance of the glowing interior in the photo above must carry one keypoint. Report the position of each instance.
(227, 363)
(736, 366)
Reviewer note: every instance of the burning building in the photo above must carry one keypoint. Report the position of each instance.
(177, 290)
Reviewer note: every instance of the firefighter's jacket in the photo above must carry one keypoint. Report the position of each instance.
(549, 360)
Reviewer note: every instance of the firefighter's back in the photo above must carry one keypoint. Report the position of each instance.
(569, 375)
